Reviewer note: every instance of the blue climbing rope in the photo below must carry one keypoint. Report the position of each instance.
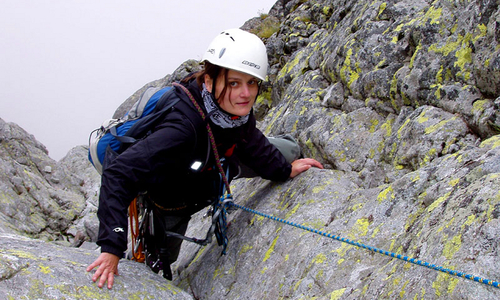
(357, 244)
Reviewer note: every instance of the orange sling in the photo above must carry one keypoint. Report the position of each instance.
(137, 254)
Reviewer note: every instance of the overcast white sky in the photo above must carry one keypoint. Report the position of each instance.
(66, 65)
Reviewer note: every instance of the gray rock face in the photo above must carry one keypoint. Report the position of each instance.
(33, 269)
(399, 100)
(444, 214)
(42, 198)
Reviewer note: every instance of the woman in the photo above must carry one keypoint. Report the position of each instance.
(161, 164)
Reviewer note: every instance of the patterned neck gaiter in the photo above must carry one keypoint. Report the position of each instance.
(217, 115)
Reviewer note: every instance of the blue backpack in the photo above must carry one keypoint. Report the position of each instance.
(116, 135)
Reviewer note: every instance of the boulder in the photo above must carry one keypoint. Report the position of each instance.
(34, 269)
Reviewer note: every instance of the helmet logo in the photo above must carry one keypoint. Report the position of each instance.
(211, 51)
(222, 52)
(250, 64)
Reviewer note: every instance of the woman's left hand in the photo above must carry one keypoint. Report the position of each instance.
(304, 164)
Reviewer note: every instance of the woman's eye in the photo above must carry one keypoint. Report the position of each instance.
(233, 84)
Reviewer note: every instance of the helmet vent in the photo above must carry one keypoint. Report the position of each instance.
(222, 52)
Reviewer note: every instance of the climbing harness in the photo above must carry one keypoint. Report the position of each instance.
(143, 231)
(373, 249)
(218, 226)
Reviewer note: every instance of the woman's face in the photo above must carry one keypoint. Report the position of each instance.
(241, 92)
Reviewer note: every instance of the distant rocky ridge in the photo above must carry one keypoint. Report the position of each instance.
(40, 197)
(399, 99)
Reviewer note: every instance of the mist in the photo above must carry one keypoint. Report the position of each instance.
(67, 65)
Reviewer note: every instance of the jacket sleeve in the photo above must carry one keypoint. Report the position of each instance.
(258, 153)
(130, 172)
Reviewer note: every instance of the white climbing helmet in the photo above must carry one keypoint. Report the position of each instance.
(238, 50)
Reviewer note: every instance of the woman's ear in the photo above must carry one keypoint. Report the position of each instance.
(208, 83)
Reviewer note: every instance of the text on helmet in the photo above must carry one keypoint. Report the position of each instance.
(250, 64)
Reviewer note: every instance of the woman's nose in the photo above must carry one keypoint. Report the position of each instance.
(245, 91)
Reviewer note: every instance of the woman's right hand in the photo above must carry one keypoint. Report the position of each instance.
(304, 164)
(108, 268)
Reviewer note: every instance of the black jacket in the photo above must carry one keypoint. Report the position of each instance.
(160, 164)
